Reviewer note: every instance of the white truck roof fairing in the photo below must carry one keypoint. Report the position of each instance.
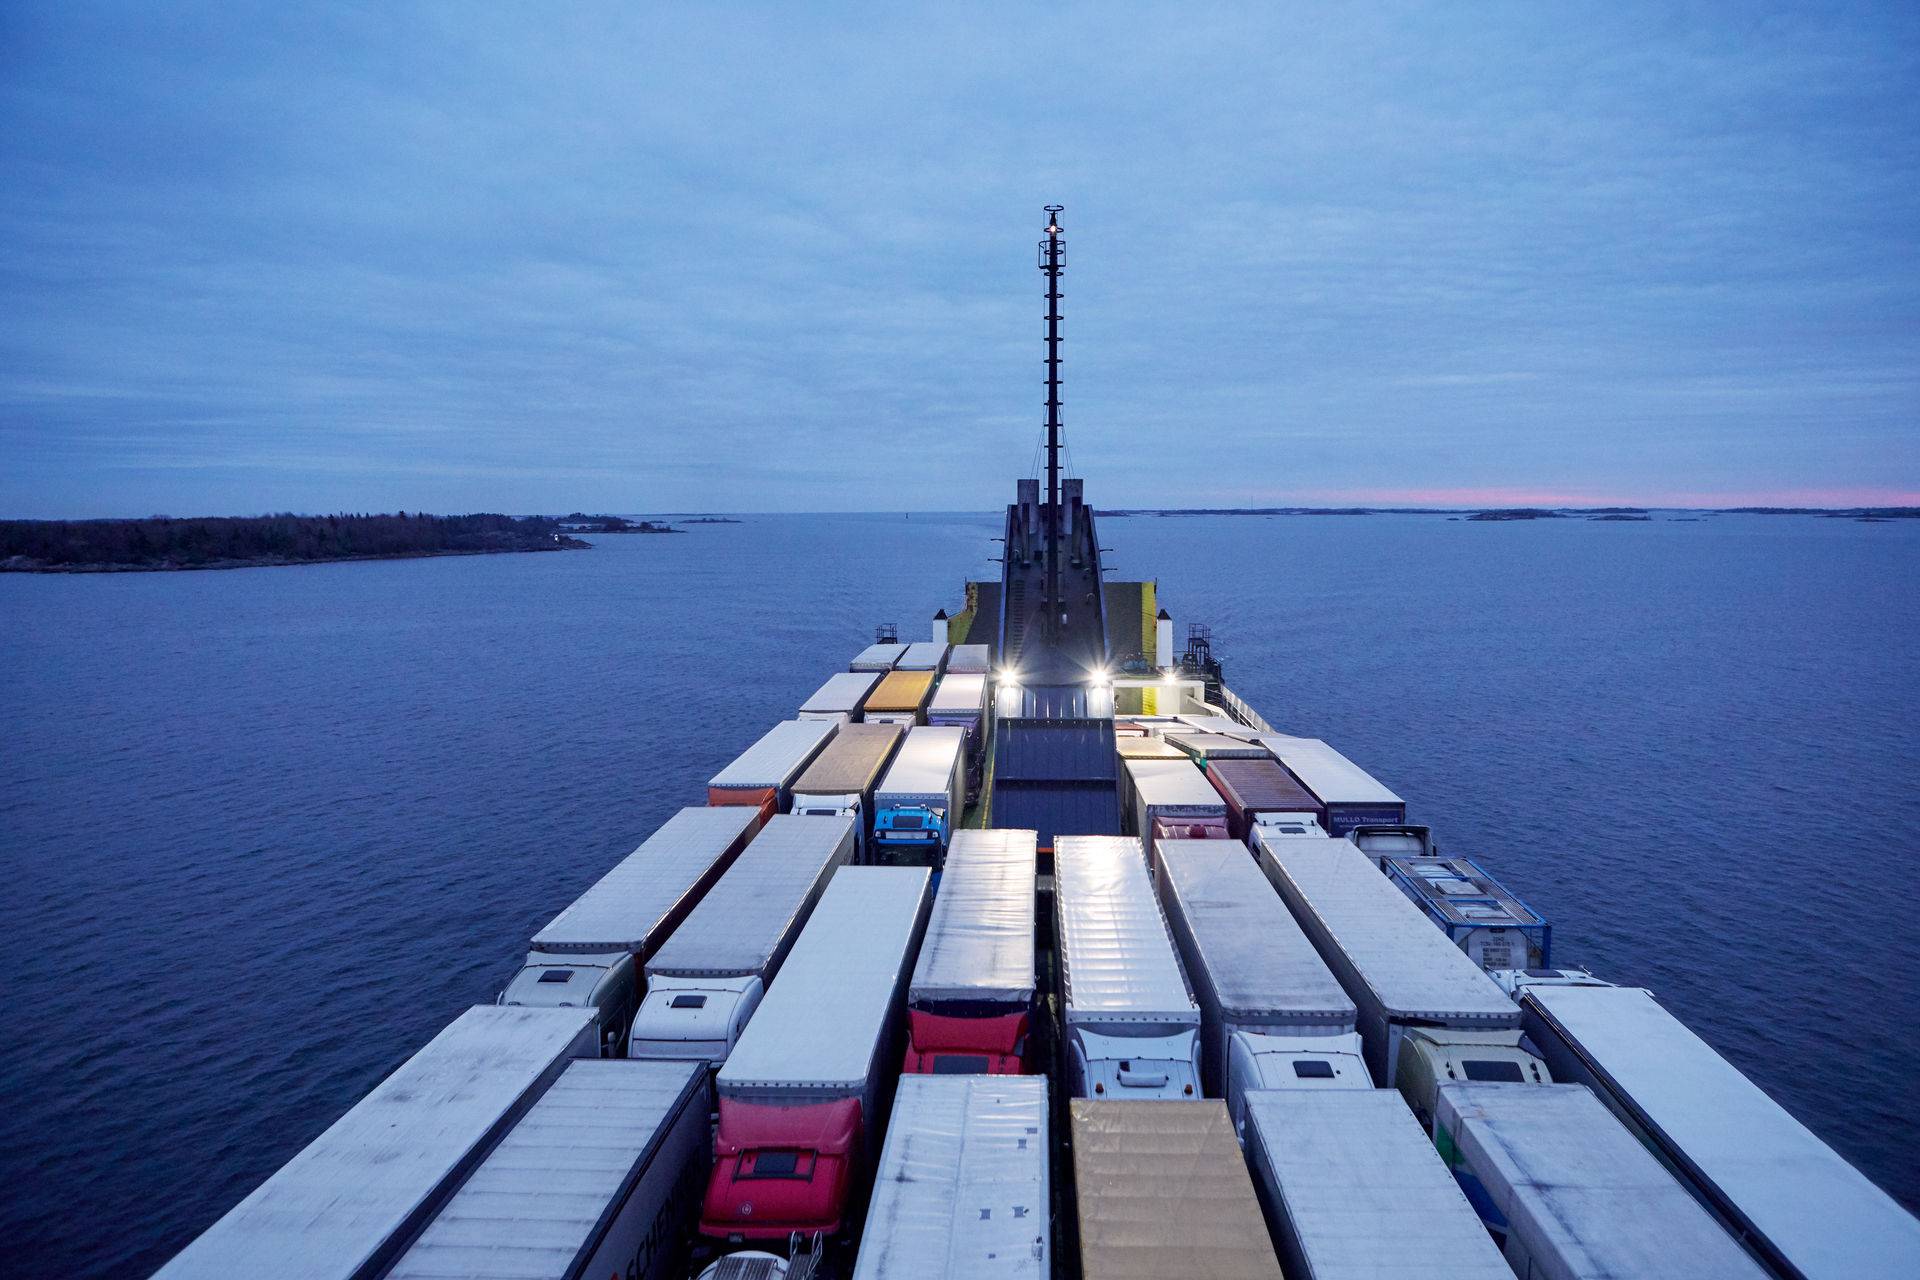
(878, 657)
(633, 905)
(1325, 772)
(958, 695)
(923, 656)
(923, 768)
(1117, 959)
(1582, 1199)
(962, 1183)
(1357, 1191)
(979, 942)
(1751, 1159)
(777, 759)
(545, 1201)
(352, 1198)
(817, 1034)
(743, 923)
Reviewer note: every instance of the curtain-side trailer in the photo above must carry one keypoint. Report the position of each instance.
(763, 774)
(1172, 800)
(900, 698)
(970, 1003)
(841, 779)
(926, 655)
(841, 699)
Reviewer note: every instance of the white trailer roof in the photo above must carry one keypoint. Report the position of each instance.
(1172, 782)
(843, 692)
(979, 942)
(823, 1018)
(538, 1197)
(925, 763)
(337, 1205)
(1259, 963)
(1820, 1212)
(1584, 1198)
(878, 657)
(1361, 1191)
(1218, 724)
(1218, 746)
(1117, 956)
(962, 1184)
(959, 694)
(739, 926)
(1325, 772)
(923, 656)
(777, 759)
(973, 659)
(633, 904)
(1413, 970)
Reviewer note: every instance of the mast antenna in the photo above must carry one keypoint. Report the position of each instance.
(1050, 251)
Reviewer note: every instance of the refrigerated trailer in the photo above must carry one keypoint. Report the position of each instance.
(962, 1187)
(1259, 788)
(589, 954)
(1399, 969)
(803, 1096)
(1352, 796)
(1351, 1187)
(919, 803)
(841, 779)
(1271, 1014)
(764, 773)
(357, 1195)
(1172, 799)
(1494, 928)
(706, 981)
(841, 699)
(1796, 1202)
(970, 1004)
(601, 1178)
(1131, 1026)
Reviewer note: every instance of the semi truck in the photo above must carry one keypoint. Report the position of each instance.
(591, 955)
(1271, 1014)
(706, 981)
(920, 801)
(841, 699)
(840, 781)
(1131, 1027)
(971, 1002)
(804, 1096)
(1494, 928)
(1172, 799)
(763, 774)
(1350, 795)
(900, 698)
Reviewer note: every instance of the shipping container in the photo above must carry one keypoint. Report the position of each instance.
(1162, 1191)
(1352, 796)
(841, 779)
(356, 1196)
(920, 801)
(878, 657)
(1129, 1019)
(1252, 788)
(1793, 1199)
(971, 1001)
(803, 1096)
(763, 775)
(924, 656)
(900, 698)
(1570, 1194)
(962, 1190)
(1352, 1188)
(601, 1178)
(1381, 841)
(706, 981)
(1494, 928)
(1259, 983)
(841, 699)
(1208, 747)
(1172, 799)
(1398, 968)
(589, 955)
(970, 659)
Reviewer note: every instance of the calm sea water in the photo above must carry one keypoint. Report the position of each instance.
(267, 831)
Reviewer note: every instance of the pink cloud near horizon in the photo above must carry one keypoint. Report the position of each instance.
(1855, 496)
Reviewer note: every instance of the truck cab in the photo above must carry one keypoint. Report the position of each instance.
(913, 835)
(1130, 1068)
(604, 982)
(828, 806)
(1256, 1060)
(1301, 826)
(694, 1017)
(1431, 1056)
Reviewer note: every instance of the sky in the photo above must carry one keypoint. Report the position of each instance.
(648, 257)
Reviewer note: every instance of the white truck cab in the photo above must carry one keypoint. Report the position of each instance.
(1516, 981)
(1123, 1068)
(1256, 1060)
(1303, 826)
(847, 806)
(686, 1017)
(604, 982)
(1431, 1056)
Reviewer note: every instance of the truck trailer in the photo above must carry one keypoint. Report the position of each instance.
(960, 700)
(1352, 796)
(1494, 928)
(927, 655)
(920, 801)
(840, 781)
(803, 1096)
(763, 774)
(706, 981)
(1131, 1026)
(970, 659)
(841, 699)
(878, 657)
(971, 1001)
(1254, 789)
(1172, 800)
(900, 698)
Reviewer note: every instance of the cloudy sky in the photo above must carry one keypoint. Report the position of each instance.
(683, 256)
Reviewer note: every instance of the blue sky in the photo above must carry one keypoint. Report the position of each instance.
(643, 257)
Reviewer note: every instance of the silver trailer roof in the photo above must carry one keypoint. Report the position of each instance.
(1358, 1192)
(1823, 1215)
(925, 763)
(878, 657)
(635, 903)
(1172, 782)
(959, 694)
(1116, 955)
(962, 1184)
(1217, 724)
(972, 659)
(539, 1197)
(979, 942)
(739, 926)
(824, 1018)
(381, 1168)
(923, 656)
(843, 692)
(1259, 963)
(1412, 969)
(1583, 1197)
(1218, 746)
(1325, 772)
(777, 759)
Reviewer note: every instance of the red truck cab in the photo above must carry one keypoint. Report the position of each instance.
(939, 1046)
(777, 1170)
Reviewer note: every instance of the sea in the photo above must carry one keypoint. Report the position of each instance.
(267, 831)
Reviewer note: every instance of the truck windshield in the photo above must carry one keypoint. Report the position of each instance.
(907, 822)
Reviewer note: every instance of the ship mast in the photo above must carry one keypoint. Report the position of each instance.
(1050, 250)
